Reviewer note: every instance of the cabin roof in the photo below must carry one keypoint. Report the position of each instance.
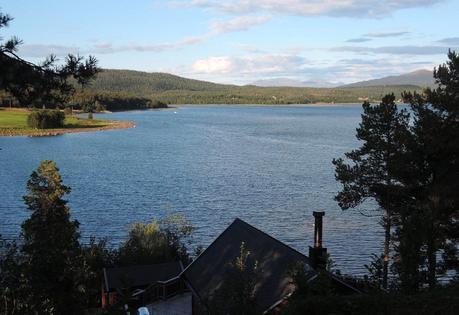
(274, 260)
(140, 275)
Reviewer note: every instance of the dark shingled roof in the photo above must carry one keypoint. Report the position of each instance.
(140, 276)
(206, 273)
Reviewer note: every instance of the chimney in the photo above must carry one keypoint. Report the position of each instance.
(318, 254)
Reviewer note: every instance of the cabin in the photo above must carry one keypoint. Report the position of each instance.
(274, 260)
(167, 287)
(144, 284)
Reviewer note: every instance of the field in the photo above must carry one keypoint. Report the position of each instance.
(13, 122)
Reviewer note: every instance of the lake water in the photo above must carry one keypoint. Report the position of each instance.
(270, 166)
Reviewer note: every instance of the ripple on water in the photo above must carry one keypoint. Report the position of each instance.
(270, 166)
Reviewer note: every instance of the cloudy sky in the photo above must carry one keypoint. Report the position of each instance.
(242, 41)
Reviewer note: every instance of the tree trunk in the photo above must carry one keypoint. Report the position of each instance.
(387, 229)
(431, 241)
(432, 260)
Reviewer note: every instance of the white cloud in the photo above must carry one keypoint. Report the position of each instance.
(249, 65)
(216, 28)
(346, 8)
(395, 50)
(252, 67)
(237, 24)
(385, 34)
(358, 40)
(449, 41)
(214, 65)
(41, 51)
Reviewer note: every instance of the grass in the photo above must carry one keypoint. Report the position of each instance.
(13, 122)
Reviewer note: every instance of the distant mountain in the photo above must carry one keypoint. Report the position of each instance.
(285, 82)
(421, 78)
(127, 89)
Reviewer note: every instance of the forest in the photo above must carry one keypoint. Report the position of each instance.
(118, 90)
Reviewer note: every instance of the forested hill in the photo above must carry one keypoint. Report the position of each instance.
(423, 78)
(144, 83)
(127, 89)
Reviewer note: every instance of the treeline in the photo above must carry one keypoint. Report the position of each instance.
(126, 90)
(144, 83)
(171, 89)
(48, 270)
(95, 102)
(279, 95)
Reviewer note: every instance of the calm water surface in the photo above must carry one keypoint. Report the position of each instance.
(270, 166)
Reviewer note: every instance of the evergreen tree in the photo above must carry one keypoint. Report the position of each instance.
(374, 167)
(51, 247)
(433, 180)
(45, 84)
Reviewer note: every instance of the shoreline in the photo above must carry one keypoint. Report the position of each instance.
(112, 125)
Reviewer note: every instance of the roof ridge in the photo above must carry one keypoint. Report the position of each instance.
(252, 227)
(210, 245)
(273, 238)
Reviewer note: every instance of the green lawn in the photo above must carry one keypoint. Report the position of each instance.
(14, 122)
(13, 119)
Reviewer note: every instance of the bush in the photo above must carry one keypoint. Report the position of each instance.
(45, 118)
(68, 111)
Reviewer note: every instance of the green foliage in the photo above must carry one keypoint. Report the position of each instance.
(431, 179)
(140, 88)
(156, 242)
(409, 163)
(95, 256)
(68, 111)
(236, 295)
(50, 244)
(45, 84)
(444, 301)
(376, 270)
(372, 170)
(52, 273)
(45, 119)
(14, 287)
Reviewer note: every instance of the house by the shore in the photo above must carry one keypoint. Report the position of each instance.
(192, 289)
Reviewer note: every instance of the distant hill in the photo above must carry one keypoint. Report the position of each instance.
(421, 78)
(142, 83)
(278, 82)
(127, 89)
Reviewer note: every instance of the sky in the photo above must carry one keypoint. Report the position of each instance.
(242, 41)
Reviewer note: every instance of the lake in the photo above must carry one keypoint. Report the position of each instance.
(268, 165)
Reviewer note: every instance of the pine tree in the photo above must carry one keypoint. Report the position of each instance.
(373, 169)
(51, 246)
(44, 84)
(433, 182)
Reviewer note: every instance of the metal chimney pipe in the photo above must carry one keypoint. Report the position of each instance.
(318, 254)
(318, 215)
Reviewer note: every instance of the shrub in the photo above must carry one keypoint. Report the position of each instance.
(45, 118)
(68, 111)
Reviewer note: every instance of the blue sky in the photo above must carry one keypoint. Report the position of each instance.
(242, 41)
